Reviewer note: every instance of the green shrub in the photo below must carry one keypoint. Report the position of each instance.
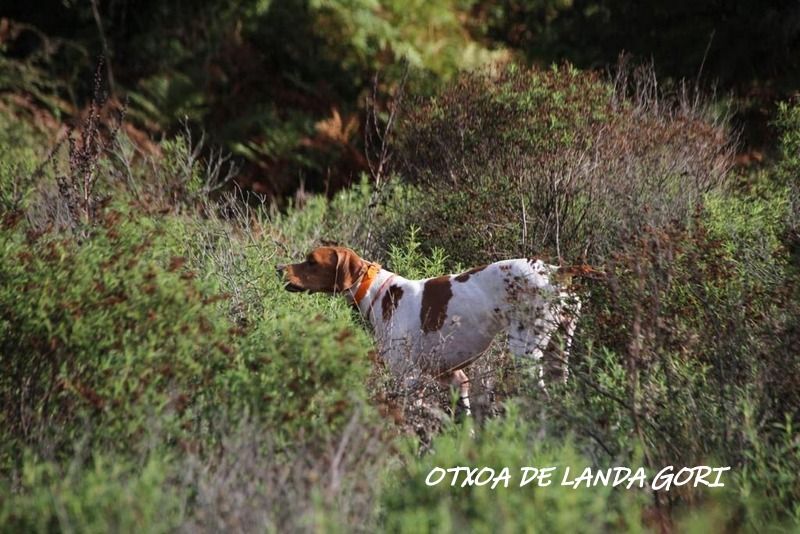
(18, 160)
(161, 334)
(156, 375)
(408, 260)
(679, 351)
(119, 332)
(112, 494)
(302, 368)
(113, 329)
(788, 124)
(512, 441)
(555, 163)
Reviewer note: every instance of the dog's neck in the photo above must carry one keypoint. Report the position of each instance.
(368, 273)
(368, 303)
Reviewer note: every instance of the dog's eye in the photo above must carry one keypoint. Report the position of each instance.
(311, 260)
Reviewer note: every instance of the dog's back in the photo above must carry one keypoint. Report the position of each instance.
(444, 323)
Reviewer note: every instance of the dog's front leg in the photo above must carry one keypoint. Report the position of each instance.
(527, 346)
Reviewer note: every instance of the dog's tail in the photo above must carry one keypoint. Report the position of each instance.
(564, 275)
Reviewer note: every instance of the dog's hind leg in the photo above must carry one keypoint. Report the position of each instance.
(459, 380)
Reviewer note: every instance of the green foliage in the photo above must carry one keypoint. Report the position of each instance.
(154, 336)
(111, 326)
(296, 389)
(768, 483)
(682, 348)
(112, 494)
(367, 27)
(157, 376)
(751, 232)
(788, 123)
(510, 442)
(556, 163)
(408, 259)
(18, 161)
(119, 331)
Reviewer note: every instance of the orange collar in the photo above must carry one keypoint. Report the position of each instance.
(366, 281)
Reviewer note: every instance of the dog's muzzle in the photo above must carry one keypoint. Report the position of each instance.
(281, 271)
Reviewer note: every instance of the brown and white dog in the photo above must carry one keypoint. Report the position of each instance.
(441, 325)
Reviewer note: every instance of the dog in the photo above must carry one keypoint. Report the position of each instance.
(440, 325)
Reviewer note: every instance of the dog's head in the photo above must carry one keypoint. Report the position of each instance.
(565, 275)
(326, 269)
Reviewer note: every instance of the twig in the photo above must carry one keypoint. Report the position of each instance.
(106, 51)
(336, 479)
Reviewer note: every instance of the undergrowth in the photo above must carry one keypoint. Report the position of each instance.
(158, 377)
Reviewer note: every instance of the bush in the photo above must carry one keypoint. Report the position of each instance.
(788, 123)
(114, 330)
(683, 354)
(123, 336)
(680, 351)
(156, 337)
(109, 494)
(157, 376)
(554, 163)
(18, 161)
(511, 442)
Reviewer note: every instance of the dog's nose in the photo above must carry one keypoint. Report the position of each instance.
(280, 269)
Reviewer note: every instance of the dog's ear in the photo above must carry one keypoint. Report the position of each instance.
(587, 271)
(564, 275)
(349, 267)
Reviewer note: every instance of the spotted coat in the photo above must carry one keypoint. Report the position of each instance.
(440, 325)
